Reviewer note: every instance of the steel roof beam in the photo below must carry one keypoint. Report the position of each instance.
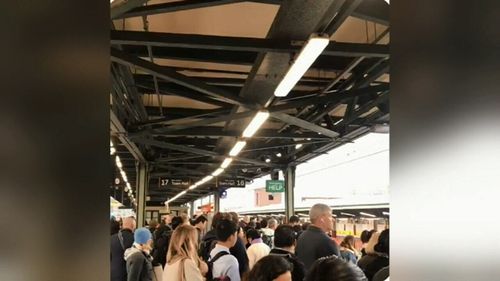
(171, 75)
(197, 151)
(304, 124)
(185, 93)
(198, 123)
(247, 44)
(178, 121)
(120, 7)
(218, 132)
(371, 10)
(174, 7)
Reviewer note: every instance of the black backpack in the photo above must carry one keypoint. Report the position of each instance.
(267, 239)
(210, 264)
(206, 247)
(160, 248)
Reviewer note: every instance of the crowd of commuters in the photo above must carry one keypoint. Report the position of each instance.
(183, 249)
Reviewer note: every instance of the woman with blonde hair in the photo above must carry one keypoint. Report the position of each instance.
(183, 263)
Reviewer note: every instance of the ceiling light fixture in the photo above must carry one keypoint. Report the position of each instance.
(368, 215)
(309, 53)
(298, 146)
(226, 162)
(217, 172)
(268, 160)
(255, 124)
(347, 214)
(278, 154)
(385, 213)
(237, 148)
(118, 162)
(340, 120)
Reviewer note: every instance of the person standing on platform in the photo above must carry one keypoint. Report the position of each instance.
(223, 263)
(314, 243)
(258, 249)
(200, 223)
(138, 258)
(239, 250)
(284, 246)
(183, 262)
(120, 242)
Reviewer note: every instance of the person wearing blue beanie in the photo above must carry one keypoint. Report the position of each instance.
(142, 235)
(138, 258)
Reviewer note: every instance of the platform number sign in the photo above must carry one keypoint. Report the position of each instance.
(273, 186)
(176, 182)
(230, 182)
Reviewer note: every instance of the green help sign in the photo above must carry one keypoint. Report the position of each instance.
(275, 186)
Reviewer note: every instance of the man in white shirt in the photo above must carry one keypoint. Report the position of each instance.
(226, 265)
(258, 249)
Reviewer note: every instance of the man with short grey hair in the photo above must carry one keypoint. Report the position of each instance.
(268, 232)
(313, 243)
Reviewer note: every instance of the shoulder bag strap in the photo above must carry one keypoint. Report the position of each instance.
(120, 237)
(219, 254)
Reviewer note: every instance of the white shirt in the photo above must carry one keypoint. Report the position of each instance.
(226, 265)
(191, 271)
(255, 252)
(267, 231)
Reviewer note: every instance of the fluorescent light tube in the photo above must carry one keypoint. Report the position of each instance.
(226, 163)
(309, 53)
(193, 187)
(347, 214)
(366, 214)
(257, 121)
(385, 213)
(118, 162)
(298, 146)
(237, 148)
(217, 172)
(207, 178)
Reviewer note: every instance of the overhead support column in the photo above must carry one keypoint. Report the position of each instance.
(289, 174)
(191, 208)
(142, 183)
(216, 202)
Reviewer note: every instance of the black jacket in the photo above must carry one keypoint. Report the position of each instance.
(314, 244)
(139, 265)
(240, 253)
(118, 265)
(161, 242)
(372, 263)
(298, 272)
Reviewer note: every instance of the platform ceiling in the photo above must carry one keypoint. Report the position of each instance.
(188, 76)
